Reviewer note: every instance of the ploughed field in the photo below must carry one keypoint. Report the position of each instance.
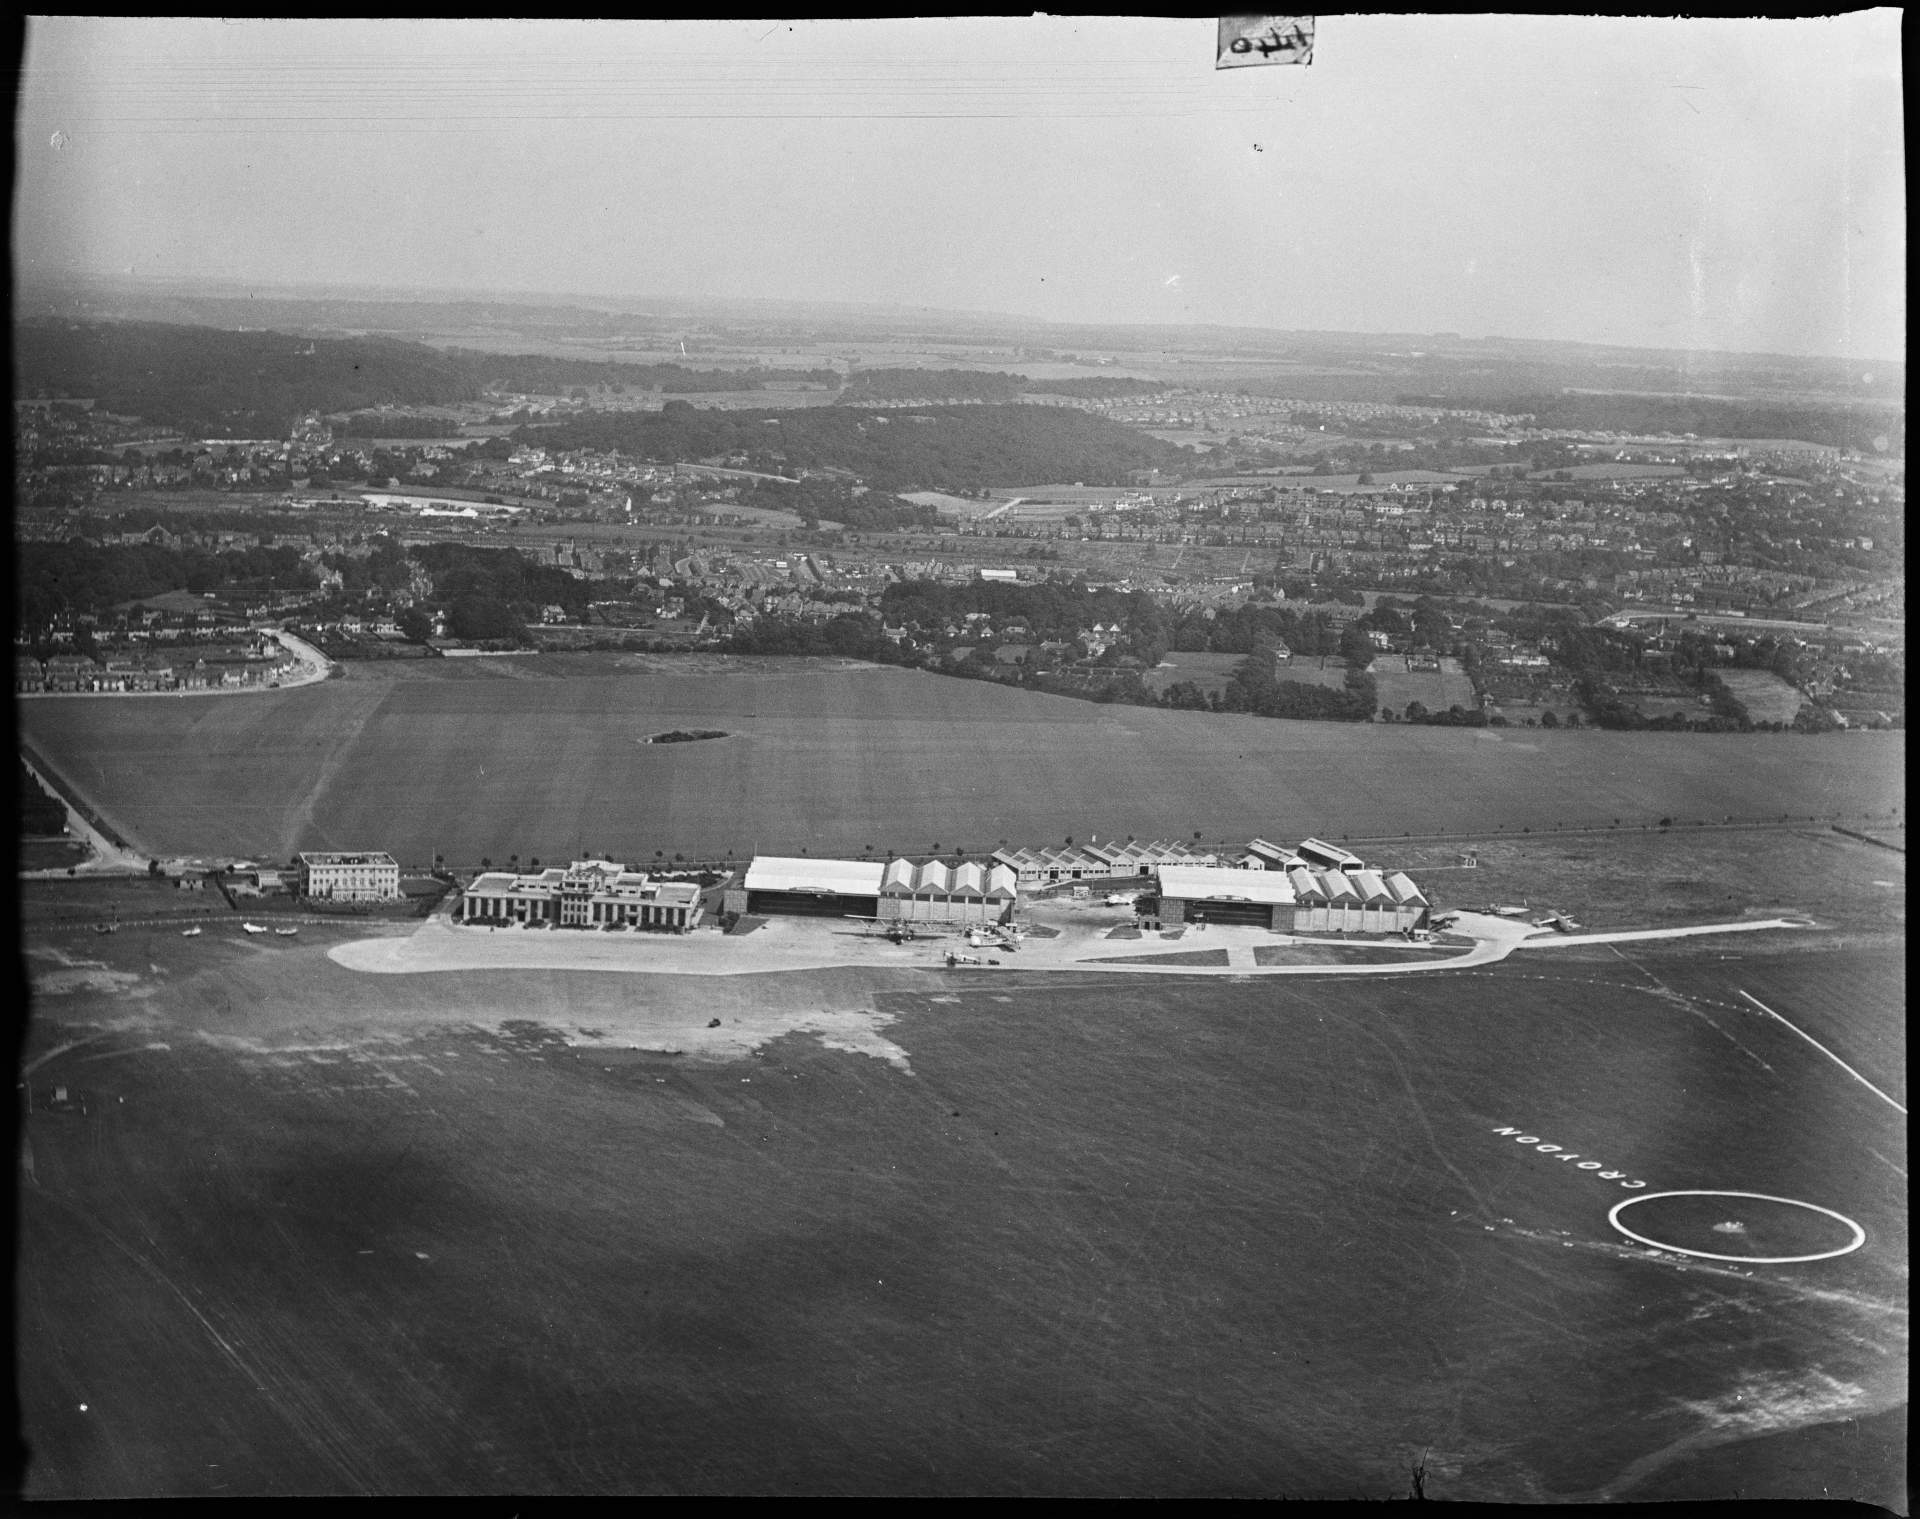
(547, 755)
(323, 1232)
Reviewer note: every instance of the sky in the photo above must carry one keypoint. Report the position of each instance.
(1688, 184)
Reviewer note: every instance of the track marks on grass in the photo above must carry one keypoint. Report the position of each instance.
(302, 824)
(296, 1407)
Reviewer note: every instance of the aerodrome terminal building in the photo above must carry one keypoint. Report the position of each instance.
(585, 894)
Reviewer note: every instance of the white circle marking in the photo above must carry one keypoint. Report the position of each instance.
(1859, 1234)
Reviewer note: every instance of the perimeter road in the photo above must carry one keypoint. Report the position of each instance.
(1828, 1053)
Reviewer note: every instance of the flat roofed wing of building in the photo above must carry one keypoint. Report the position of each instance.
(323, 859)
(493, 883)
(834, 877)
(1202, 883)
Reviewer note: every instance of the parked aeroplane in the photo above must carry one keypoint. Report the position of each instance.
(191, 933)
(253, 928)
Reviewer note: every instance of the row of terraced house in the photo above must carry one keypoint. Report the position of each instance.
(198, 669)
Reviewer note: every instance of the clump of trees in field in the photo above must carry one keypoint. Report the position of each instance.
(821, 498)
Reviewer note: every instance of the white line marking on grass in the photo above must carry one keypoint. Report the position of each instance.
(1827, 1052)
(1628, 935)
(1859, 1234)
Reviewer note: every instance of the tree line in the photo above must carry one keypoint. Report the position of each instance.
(55, 580)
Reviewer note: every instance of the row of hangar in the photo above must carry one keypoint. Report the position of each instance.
(1296, 899)
(1285, 890)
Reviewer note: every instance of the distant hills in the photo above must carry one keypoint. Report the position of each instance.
(258, 383)
(224, 377)
(402, 311)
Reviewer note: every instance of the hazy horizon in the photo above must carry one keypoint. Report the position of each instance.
(1686, 186)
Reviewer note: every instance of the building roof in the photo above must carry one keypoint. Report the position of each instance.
(1337, 886)
(841, 877)
(899, 876)
(1332, 853)
(969, 877)
(1403, 889)
(494, 883)
(1202, 883)
(373, 857)
(1371, 885)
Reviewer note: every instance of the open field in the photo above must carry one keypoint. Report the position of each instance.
(1520, 703)
(1328, 670)
(1436, 690)
(1209, 671)
(51, 854)
(911, 1233)
(951, 506)
(545, 755)
(1767, 698)
(1655, 877)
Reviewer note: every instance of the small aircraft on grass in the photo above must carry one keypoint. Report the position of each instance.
(253, 928)
(191, 933)
(286, 933)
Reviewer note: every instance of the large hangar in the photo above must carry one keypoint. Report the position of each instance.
(1193, 893)
(963, 892)
(779, 885)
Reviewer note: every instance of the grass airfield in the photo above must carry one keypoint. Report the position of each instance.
(547, 755)
(905, 1232)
